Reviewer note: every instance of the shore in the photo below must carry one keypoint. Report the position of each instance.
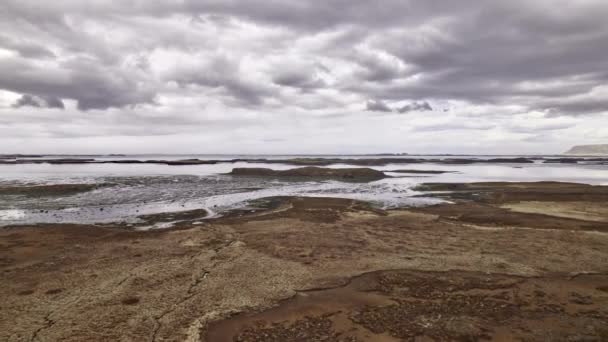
(503, 261)
(320, 161)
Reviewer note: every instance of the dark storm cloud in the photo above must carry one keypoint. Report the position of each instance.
(575, 106)
(381, 106)
(377, 106)
(493, 54)
(298, 79)
(416, 106)
(40, 102)
(92, 85)
(376, 68)
(223, 73)
(540, 55)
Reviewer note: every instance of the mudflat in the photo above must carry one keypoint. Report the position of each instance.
(497, 263)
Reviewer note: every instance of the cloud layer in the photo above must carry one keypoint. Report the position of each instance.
(522, 73)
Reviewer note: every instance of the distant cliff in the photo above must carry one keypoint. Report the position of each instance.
(589, 149)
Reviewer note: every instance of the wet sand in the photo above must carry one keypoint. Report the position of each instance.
(499, 263)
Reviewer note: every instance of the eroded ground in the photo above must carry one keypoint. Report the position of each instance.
(409, 305)
(322, 269)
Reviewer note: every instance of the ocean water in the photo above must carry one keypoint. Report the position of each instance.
(140, 189)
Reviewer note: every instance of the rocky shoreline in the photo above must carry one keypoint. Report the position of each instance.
(313, 161)
(361, 174)
(502, 261)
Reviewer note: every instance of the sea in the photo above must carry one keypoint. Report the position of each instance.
(131, 190)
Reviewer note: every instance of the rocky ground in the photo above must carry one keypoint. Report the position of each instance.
(500, 263)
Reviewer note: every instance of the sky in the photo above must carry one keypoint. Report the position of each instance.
(303, 76)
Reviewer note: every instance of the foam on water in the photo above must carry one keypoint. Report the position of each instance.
(12, 215)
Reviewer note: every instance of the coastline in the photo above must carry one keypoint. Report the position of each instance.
(75, 282)
(361, 160)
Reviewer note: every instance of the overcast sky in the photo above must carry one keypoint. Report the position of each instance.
(302, 76)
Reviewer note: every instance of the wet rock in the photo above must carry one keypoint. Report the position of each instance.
(318, 172)
(432, 172)
(562, 161)
(49, 190)
(191, 162)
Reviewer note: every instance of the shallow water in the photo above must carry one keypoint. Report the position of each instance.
(139, 189)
